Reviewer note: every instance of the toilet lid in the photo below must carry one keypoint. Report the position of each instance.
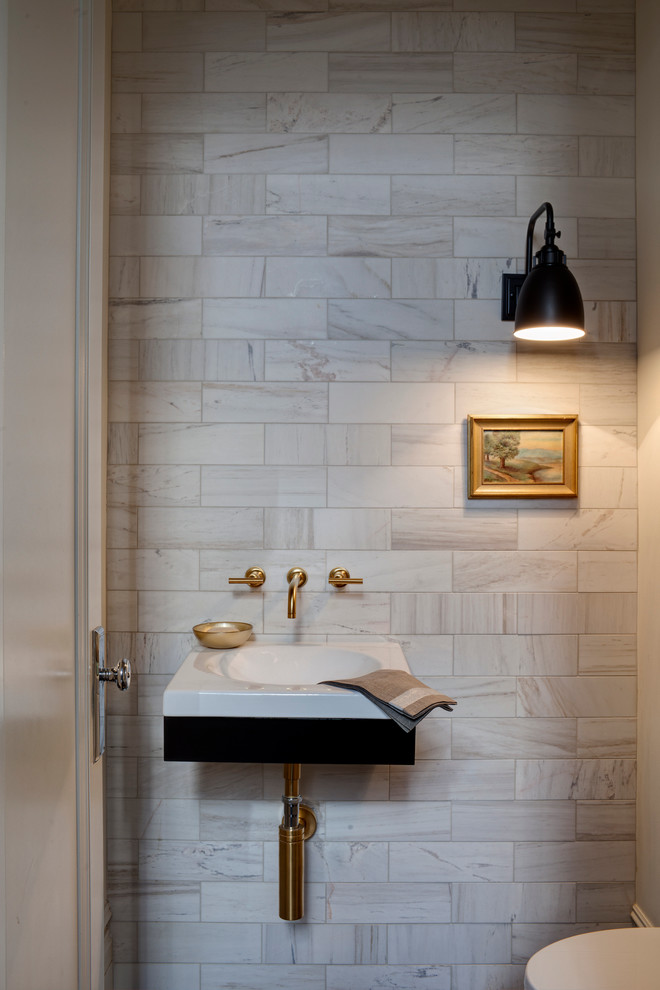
(616, 959)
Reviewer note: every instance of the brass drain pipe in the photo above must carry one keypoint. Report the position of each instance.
(298, 824)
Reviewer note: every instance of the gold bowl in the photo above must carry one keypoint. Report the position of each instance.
(223, 635)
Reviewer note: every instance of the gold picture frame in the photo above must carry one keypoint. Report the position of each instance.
(522, 456)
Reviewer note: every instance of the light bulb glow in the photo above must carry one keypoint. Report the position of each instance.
(548, 333)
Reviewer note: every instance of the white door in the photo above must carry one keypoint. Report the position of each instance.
(52, 99)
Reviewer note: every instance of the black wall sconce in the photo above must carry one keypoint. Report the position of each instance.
(545, 302)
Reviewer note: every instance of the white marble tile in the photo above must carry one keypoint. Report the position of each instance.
(454, 780)
(358, 444)
(126, 32)
(388, 821)
(533, 903)
(491, 697)
(610, 157)
(515, 571)
(201, 360)
(121, 527)
(367, 319)
(154, 153)
(239, 153)
(503, 738)
(251, 72)
(328, 194)
(602, 33)
(250, 319)
(336, 862)
(167, 860)
(388, 902)
(453, 613)
(427, 655)
(583, 197)
(381, 487)
(201, 113)
(451, 861)
(490, 236)
(397, 72)
(585, 779)
(586, 861)
(404, 570)
(484, 821)
(602, 405)
(608, 488)
(520, 155)
(331, 360)
(607, 612)
(155, 318)
(462, 195)
(153, 569)
(334, 31)
(432, 32)
(604, 238)
(325, 113)
(122, 443)
(267, 235)
(331, 529)
(606, 74)
(605, 820)
(453, 113)
(436, 361)
(607, 654)
(394, 402)
(586, 529)
(390, 236)
(552, 654)
(328, 613)
(225, 819)
(452, 943)
(200, 528)
(167, 611)
(608, 445)
(605, 902)
(334, 782)
(122, 360)
(310, 443)
(340, 944)
(159, 485)
(513, 72)
(493, 976)
(123, 278)
(192, 32)
(390, 153)
(263, 485)
(194, 277)
(199, 195)
(561, 697)
(342, 278)
(452, 529)
(574, 114)
(202, 942)
(607, 737)
(257, 976)
(528, 939)
(604, 280)
(158, 779)
(125, 115)
(603, 571)
(124, 195)
(207, 443)
(217, 566)
(156, 72)
(242, 903)
(420, 444)
(129, 735)
(122, 610)
(480, 399)
(263, 402)
(398, 977)
(166, 976)
(154, 402)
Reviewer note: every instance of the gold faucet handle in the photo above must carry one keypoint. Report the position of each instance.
(254, 576)
(339, 577)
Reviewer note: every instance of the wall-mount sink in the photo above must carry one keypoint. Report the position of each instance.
(262, 703)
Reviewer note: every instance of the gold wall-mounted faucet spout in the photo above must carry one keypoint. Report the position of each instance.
(296, 577)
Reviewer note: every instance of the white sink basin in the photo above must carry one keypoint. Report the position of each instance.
(279, 680)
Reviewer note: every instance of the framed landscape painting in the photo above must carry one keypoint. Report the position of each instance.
(522, 456)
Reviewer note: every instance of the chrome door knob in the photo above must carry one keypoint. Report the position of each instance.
(120, 674)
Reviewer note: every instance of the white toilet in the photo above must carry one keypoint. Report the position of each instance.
(615, 959)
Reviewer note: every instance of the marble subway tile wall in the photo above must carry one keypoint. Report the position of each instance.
(312, 205)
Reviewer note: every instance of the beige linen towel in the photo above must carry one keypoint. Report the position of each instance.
(399, 694)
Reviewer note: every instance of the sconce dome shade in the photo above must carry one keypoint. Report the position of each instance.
(550, 304)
